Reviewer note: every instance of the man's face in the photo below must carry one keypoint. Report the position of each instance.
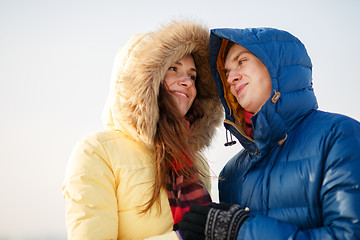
(248, 77)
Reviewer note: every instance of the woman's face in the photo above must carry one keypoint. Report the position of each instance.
(180, 79)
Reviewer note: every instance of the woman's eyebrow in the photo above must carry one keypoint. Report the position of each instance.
(192, 69)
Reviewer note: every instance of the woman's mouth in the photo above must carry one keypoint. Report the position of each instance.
(181, 94)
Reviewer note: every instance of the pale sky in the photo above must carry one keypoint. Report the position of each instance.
(55, 66)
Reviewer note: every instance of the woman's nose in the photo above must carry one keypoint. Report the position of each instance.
(185, 81)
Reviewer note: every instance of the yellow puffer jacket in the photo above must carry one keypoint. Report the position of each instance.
(111, 173)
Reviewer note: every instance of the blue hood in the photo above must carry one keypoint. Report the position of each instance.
(290, 69)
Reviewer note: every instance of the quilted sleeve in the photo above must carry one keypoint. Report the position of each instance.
(167, 236)
(89, 191)
(340, 193)
(340, 190)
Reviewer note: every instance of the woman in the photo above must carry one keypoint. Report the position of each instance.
(135, 179)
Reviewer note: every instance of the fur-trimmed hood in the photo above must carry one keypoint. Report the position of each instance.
(139, 69)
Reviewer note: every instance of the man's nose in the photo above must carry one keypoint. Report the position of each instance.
(233, 77)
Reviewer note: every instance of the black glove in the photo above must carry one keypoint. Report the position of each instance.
(215, 222)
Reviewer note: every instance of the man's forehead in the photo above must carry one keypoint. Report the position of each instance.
(236, 48)
(234, 53)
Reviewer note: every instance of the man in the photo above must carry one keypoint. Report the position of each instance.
(298, 174)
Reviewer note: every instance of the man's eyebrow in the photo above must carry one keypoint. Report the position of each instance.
(239, 54)
(235, 59)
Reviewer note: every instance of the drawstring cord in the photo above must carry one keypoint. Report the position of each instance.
(232, 142)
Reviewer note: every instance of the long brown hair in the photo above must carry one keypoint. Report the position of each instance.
(171, 146)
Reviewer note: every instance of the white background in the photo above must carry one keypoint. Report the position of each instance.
(55, 66)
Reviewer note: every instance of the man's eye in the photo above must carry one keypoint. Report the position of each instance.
(226, 72)
(172, 68)
(241, 61)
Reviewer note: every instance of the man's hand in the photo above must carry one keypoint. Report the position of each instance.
(214, 221)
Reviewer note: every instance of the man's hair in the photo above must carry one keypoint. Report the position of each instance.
(228, 46)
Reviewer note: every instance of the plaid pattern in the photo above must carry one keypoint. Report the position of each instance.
(182, 193)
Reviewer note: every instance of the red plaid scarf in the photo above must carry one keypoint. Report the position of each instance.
(182, 193)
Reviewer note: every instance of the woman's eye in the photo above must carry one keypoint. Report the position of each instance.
(172, 68)
(192, 77)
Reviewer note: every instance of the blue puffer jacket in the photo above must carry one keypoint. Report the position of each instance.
(300, 175)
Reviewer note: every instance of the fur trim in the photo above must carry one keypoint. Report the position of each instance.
(139, 69)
